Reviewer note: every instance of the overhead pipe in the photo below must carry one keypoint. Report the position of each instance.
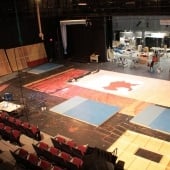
(41, 35)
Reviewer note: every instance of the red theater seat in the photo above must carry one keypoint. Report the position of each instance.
(43, 145)
(54, 150)
(23, 153)
(33, 159)
(65, 156)
(77, 161)
(3, 117)
(56, 168)
(35, 132)
(15, 136)
(11, 121)
(45, 165)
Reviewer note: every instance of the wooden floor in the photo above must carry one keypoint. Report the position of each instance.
(110, 135)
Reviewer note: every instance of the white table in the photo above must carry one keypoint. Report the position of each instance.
(9, 106)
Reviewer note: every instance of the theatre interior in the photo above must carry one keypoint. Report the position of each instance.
(84, 85)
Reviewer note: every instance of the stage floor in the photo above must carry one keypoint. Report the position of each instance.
(135, 87)
(131, 90)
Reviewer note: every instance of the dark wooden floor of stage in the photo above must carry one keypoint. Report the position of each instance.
(83, 133)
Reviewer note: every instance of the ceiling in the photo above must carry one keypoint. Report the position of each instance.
(77, 8)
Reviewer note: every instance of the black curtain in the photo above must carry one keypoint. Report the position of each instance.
(109, 32)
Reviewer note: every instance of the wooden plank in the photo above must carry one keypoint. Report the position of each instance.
(35, 52)
(4, 64)
(16, 58)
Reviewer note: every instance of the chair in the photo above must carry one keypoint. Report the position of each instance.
(56, 143)
(20, 156)
(57, 159)
(75, 163)
(33, 161)
(79, 150)
(61, 142)
(57, 168)
(18, 125)
(3, 117)
(11, 121)
(65, 156)
(43, 145)
(34, 133)
(71, 143)
(66, 148)
(45, 165)
(22, 153)
(82, 149)
(15, 136)
(51, 153)
(54, 151)
(41, 149)
(2, 125)
(7, 133)
(25, 127)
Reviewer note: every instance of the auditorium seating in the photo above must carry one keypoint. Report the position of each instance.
(65, 154)
(24, 127)
(57, 156)
(31, 131)
(10, 134)
(49, 153)
(31, 161)
(20, 155)
(75, 163)
(68, 145)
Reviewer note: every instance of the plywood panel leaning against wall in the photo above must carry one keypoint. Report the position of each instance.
(4, 64)
(36, 54)
(17, 58)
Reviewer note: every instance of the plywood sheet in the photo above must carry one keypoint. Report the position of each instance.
(35, 52)
(16, 58)
(4, 64)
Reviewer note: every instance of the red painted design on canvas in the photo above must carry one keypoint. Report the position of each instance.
(118, 84)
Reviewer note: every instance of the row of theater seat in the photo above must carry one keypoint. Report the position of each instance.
(31, 161)
(57, 156)
(9, 134)
(24, 127)
(68, 145)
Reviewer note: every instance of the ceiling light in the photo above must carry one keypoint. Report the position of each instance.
(82, 3)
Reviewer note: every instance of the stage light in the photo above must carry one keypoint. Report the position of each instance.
(82, 3)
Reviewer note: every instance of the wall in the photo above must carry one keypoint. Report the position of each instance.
(141, 24)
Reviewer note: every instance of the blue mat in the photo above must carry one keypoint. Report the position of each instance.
(85, 110)
(44, 68)
(154, 117)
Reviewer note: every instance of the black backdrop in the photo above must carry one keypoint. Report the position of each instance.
(83, 40)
